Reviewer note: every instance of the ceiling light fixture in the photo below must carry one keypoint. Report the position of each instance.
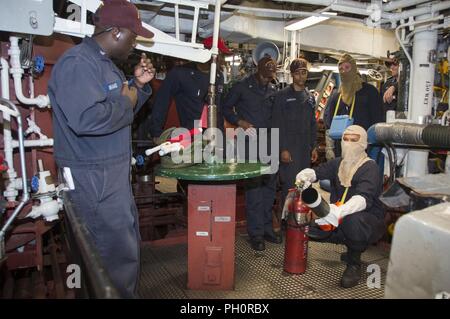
(305, 23)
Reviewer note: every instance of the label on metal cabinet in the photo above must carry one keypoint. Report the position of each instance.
(202, 233)
(203, 208)
(222, 219)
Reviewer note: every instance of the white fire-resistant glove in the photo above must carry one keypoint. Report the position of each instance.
(305, 178)
(355, 204)
(333, 217)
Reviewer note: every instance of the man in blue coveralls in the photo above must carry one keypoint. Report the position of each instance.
(93, 108)
(249, 106)
(294, 115)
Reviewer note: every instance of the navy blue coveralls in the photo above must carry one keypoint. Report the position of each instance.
(358, 230)
(293, 114)
(92, 131)
(392, 81)
(248, 100)
(189, 87)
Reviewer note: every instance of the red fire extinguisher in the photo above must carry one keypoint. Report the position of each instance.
(296, 247)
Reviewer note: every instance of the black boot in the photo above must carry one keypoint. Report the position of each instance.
(317, 234)
(257, 243)
(352, 274)
(273, 237)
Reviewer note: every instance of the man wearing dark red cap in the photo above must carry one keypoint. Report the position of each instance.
(188, 85)
(293, 114)
(249, 106)
(93, 107)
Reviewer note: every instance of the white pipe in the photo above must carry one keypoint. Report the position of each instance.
(10, 175)
(34, 143)
(5, 78)
(349, 9)
(364, 8)
(289, 12)
(214, 49)
(402, 44)
(400, 4)
(48, 208)
(422, 88)
(25, 194)
(347, 3)
(17, 71)
(427, 8)
(177, 22)
(427, 27)
(83, 17)
(293, 49)
(195, 25)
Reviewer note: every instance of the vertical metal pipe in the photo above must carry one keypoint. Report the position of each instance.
(25, 194)
(177, 22)
(212, 107)
(195, 25)
(425, 41)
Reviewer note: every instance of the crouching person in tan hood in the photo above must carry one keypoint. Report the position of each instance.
(356, 217)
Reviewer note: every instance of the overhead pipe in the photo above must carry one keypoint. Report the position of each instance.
(366, 9)
(347, 3)
(290, 12)
(427, 8)
(400, 4)
(17, 71)
(25, 194)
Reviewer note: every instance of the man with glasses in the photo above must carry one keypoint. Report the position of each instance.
(356, 216)
(248, 105)
(93, 107)
(293, 114)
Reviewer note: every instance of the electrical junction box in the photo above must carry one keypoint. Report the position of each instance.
(27, 16)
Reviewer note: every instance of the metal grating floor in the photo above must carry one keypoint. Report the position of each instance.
(260, 275)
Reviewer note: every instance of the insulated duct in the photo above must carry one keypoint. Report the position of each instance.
(436, 135)
(412, 134)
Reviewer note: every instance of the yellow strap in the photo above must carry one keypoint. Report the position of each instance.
(343, 196)
(337, 106)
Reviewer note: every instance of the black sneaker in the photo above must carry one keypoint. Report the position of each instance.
(257, 243)
(351, 276)
(273, 237)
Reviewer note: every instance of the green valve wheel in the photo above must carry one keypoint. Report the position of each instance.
(215, 172)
